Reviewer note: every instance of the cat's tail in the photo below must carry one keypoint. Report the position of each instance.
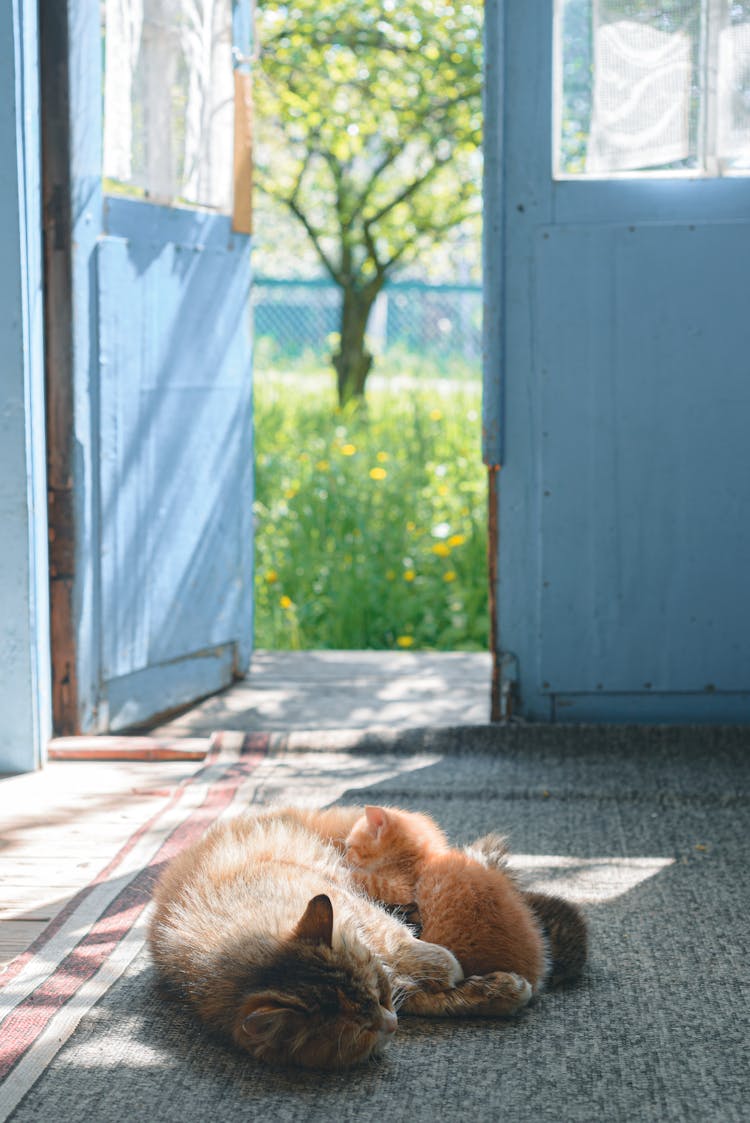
(566, 932)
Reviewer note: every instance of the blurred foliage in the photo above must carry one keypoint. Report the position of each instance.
(371, 529)
(369, 132)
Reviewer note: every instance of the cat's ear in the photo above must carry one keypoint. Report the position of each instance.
(262, 1021)
(316, 925)
(377, 817)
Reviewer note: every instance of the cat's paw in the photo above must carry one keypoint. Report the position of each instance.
(451, 970)
(484, 996)
(433, 966)
(502, 992)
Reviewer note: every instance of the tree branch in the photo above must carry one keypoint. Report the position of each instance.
(406, 193)
(314, 236)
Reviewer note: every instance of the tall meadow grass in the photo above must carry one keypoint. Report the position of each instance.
(370, 525)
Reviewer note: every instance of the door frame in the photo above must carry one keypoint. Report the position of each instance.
(71, 77)
(24, 612)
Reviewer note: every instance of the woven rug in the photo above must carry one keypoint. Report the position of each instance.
(647, 828)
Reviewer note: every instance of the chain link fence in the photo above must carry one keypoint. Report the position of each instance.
(414, 327)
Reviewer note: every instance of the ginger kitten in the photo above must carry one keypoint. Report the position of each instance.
(563, 923)
(474, 909)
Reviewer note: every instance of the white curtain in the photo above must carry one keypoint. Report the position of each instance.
(168, 99)
(734, 93)
(641, 97)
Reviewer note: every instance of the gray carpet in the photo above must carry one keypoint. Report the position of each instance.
(648, 828)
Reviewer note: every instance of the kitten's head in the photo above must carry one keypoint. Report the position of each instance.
(388, 836)
(314, 1005)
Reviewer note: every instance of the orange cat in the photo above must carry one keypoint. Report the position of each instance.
(476, 911)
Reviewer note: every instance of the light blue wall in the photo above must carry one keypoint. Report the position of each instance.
(25, 711)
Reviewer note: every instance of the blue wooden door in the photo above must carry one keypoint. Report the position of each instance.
(618, 357)
(158, 598)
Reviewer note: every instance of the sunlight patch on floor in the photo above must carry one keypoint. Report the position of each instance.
(586, 880)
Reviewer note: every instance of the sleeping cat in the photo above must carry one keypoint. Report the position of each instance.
(472, 908)
(261, 930)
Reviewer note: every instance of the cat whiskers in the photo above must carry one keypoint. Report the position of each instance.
(400, 992)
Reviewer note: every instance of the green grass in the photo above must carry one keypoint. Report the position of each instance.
(370, 527)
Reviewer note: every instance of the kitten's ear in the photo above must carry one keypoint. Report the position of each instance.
(377, 817)
(316, 925)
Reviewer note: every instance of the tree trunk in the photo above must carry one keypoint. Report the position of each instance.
(353, 361)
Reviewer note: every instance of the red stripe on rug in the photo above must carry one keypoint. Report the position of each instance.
(23, 1026)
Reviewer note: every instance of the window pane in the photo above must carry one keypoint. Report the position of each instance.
(168, 99)
(734, 89)
(645, 87)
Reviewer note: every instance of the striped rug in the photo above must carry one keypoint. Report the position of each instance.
(645, 828)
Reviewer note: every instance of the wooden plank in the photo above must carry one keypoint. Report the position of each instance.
(242, 207)
(58, 324)
(127, 748)
(33, 904)
(15, 937)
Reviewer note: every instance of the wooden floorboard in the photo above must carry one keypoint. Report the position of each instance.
(59, 827)
(346, 690)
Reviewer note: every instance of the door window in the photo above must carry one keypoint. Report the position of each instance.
(644, 88)
(169, 100)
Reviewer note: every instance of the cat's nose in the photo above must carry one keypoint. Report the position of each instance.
(388, 1021)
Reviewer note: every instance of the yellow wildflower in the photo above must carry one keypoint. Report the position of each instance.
(322, 465)
(348, 450)
(450, 575)
(456, 540)
(410, 526)
(409, 575)
(378, 473)
(271, 576)
(285, 601)
(436, 415)
(405, 641)
(382, 457)
(442, 549)
(443, 490)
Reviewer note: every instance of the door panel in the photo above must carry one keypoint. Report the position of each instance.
(175, 452)
(641, 530)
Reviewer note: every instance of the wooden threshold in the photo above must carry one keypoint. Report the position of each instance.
(127, 748)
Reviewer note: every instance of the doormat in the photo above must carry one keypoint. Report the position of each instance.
(647, 832)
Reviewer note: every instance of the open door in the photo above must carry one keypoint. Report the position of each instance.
(146, 193)
(618, 357)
